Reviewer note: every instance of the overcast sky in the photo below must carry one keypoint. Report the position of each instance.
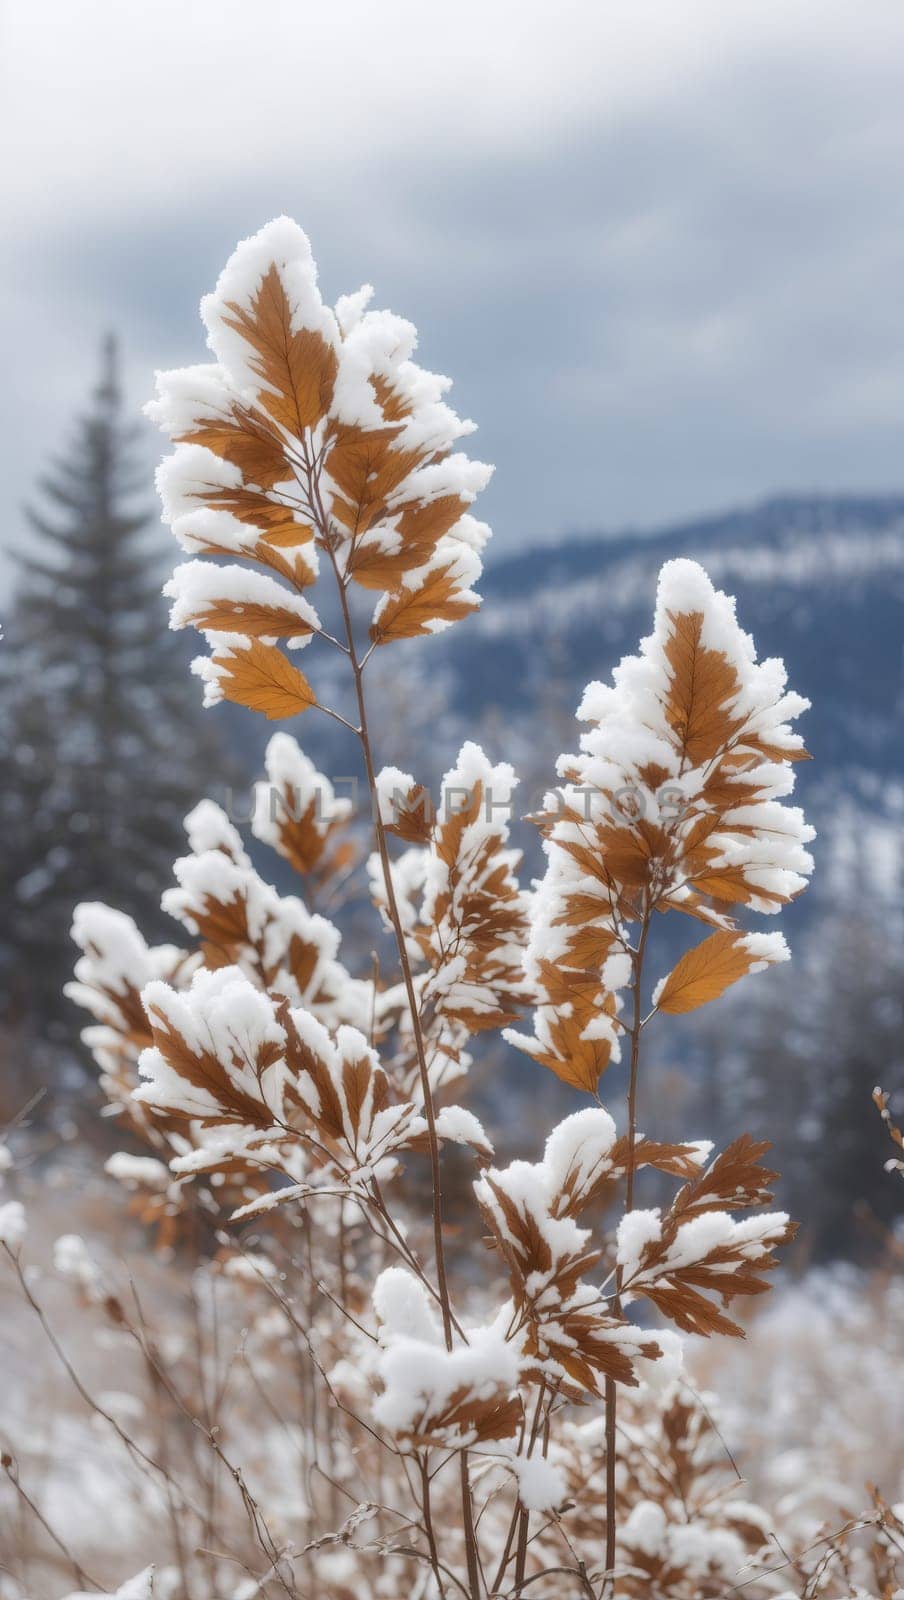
(658, 244)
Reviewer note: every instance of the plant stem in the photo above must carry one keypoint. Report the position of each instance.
(636, 1026)
(467, 1510)
(521, 1551)
(363, 732)
(515, 1524)
(610, 1481)
(357, 666)
(611, 1392)
(405, 964)
(428, 1524)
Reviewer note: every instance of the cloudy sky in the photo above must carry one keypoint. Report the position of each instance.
(659, 244)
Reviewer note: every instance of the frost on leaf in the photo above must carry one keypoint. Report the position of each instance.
(666, 1554)
(584, 1159)
(253, 674)
(433, 1396)
(218, 1053)
(405, 806)
(709, 968)
(298, 812)
(681, 1530)
(567, 1333)
(312, 432)
(338, 1086)
(225, 599)
(697, 1248)
(464, 913)
(242, 921)
(265, 1085)
(212, 512)
(674, 802)
(473, 916)
(115, 966)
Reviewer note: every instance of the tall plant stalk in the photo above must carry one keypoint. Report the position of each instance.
(611, 1397)
(331, 401)
(357, 666)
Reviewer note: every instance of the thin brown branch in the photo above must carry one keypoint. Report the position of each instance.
(11, 1468)
(611, 1393)
(363, 731)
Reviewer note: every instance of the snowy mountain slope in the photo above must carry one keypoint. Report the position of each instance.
(818, 581)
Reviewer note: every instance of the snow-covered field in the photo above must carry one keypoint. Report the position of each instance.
(809, 1409)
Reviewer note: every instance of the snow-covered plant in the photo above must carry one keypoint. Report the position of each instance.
(487, 1421)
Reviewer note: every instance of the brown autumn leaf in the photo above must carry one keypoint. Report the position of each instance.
(412, 815)
(413, 612)
(251, 618)
(583, 1341)
(705, 972)
(702, 691)
(571, 999)
(730, 884)
(260, 677)
(681, 1295)
(395, 406)
(581, 1188)
(680, 1269)
(309, 846)
(420, 528)
(281, 540)
(244, 440)
(366, 469)
(775, 752)
(564, 1322)
(465, 1417)
(292, 565)
(274, 521)
(299, 366)
(223, 927)
(536, 1266)
(198, 1065)
(734, 1180)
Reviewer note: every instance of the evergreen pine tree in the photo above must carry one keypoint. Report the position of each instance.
(106, 746)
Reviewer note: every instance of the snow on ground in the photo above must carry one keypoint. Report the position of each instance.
(810, 1406)
(812, 1403)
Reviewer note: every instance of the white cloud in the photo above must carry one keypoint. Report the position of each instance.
(657, 242)
(139, 101)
